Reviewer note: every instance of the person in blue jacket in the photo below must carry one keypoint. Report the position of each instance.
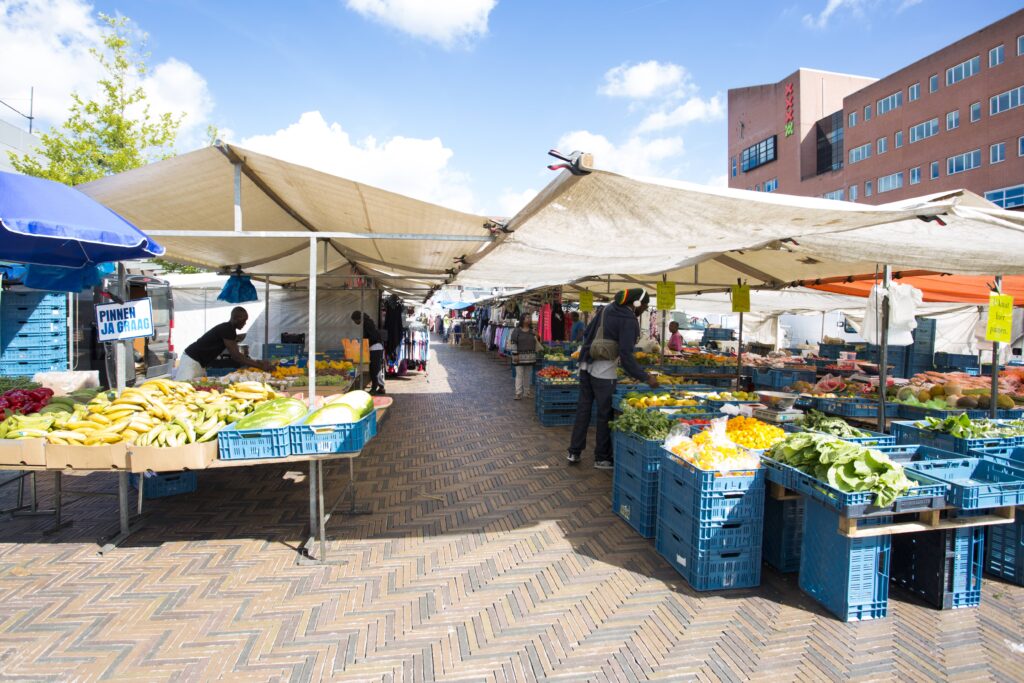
(620, 321)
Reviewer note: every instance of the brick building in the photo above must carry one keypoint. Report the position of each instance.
(954, 119)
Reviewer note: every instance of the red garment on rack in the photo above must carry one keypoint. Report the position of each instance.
(544, 323)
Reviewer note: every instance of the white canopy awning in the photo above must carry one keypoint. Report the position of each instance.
(581, 228)
(196, 192)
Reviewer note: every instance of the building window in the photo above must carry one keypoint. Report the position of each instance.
(883, 145)
(997, 153)
(1020, 45)
(933, 83)
(955, 74)
(834, 194)
(732, 163)
(771, 185)
(914, 92)
(1007, 197)
(1011, 99)
(898, 139)
(867, 112)
(853, 119)
(887, 104)
(758, 155)
(890, 182)
(829, 142)
(995, 56)
(757, 187)
(1020, 146)
(934, 170)
(853, 193)
(867, 188)
(860, 153)
(915, 175)
(924, 130)
(976, 112)
(953, 120)
(961, 163)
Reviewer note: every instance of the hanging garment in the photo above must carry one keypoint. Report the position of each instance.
(903, 303)
(394, 317)
(557, 323)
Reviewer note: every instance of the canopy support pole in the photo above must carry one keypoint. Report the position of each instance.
(739, 354)
(311, 332)
(664, 322)
(883, 353)
(994, 401)
(266, 312)
(238, 195)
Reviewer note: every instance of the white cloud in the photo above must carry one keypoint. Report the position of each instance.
(410, 166)
(907, 4)
(46, 46)
(718, 181)
(511, 202)
(449, 23)
(636, 156)
(694, 109)
(643, 80)
(855, 7)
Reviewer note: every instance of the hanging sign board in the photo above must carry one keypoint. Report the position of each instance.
(1000, 318)
(129, 320)
(666, 296)
(586, 302)
(741, 298)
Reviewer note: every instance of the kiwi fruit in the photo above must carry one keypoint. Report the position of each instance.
(968, 402)
(924, 396)
(985, 401)
(1004, 402)
(937, 391)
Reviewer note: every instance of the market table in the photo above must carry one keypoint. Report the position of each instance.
(318, 514)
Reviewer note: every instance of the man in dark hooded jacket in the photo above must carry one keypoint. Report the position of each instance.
(597, 377)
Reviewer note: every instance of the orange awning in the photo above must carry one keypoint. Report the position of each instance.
(968, 289)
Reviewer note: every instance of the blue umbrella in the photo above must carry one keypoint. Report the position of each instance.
(45, 223)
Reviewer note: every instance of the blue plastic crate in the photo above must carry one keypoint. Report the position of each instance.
(927, 493)
(706, 536)
(855, 407)
(913, 432)
(31, 300)
(641, 486)
(166, 484)
(14, 326)
(1013, 454)
(873, 438)
(27, 368)
(712, 496)
(1004, 550)
(955, 361)
(848, 576)
(832, 351)
(713, 569)
(557, 419)
(942, 567)
(718, 334)
(783, 533)
(42, 353)
(281, 350)
(642, 518)
(252, 444)
(338, 438)
(636, 454)
(919, 413)
(976, 483)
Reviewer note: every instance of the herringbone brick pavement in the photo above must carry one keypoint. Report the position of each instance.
(486, 559)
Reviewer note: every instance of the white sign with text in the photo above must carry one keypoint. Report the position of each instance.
(129, 320)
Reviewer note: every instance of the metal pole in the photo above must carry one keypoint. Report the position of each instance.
(120, 369)
(664, 322)
(739, 353)
(266, 312)
(311, 332)
(238, 196)
(359, 368)
(994, 401)
(883, 353)
(322, 531)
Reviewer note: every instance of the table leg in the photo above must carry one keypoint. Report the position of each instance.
(126, 526)
(58, 504)
(322, 517)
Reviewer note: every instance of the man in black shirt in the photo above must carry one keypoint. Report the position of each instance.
(204, 350)
(373, 336)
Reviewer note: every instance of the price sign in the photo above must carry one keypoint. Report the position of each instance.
(666, 296)
(124, 321)
(586, 301)
(1000, 318)
(741, 298)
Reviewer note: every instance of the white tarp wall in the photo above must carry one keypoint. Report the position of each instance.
(196, 310)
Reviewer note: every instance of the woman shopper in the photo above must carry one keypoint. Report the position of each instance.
(609, 339)
(524, 346)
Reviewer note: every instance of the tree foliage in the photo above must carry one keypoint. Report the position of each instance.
(114, 132)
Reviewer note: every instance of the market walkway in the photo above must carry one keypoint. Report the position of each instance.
(487, 558)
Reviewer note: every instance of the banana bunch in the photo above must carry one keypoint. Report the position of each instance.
(160, 412)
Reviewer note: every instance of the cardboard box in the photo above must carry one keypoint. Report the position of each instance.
(87, 458)
(194, 456)
(27, 452)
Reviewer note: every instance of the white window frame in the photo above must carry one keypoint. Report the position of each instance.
(915, 173)
(897, 139)
(974, 64)
(889, 103)
(860, 153)
(1020, 46)
(992, 153)
(852, 120)
(951, 162)
(774, 182)
(867, 112)
(975, 107)
(955, 114)
(914, 92)
(997, 52)
(934, 171)
(882, 145)
(933, 83)
(868, 188)
(1020, 146)
(891, 182)
(853, 193)
(1010, 95)
(931, 126)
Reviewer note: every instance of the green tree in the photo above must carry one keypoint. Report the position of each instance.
(114, 132)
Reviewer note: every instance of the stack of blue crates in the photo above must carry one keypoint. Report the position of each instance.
(556, 403)
(832, 351)
(1004, 550)
(848, 576)
(635, 481)
(710, 524)
(919, 356)
(783, 533)
(942, 567)
(956, 362)
(33, 332)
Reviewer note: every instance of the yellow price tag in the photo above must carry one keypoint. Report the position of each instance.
(741, 298)
(1000, 318)
(586, 301)
(666, 296)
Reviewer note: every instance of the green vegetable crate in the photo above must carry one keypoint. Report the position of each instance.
(915, 432)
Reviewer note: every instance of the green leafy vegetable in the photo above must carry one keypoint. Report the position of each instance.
(648, 424)
(816, 421)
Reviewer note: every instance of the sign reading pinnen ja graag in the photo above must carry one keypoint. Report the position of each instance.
(129, 320)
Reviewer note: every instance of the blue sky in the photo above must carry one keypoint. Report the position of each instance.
(459, 105)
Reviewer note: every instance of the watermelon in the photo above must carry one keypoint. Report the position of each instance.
(276, 413)
(360, 402)
(332, 414)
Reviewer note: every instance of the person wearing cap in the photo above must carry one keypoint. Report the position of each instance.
(619, 322)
